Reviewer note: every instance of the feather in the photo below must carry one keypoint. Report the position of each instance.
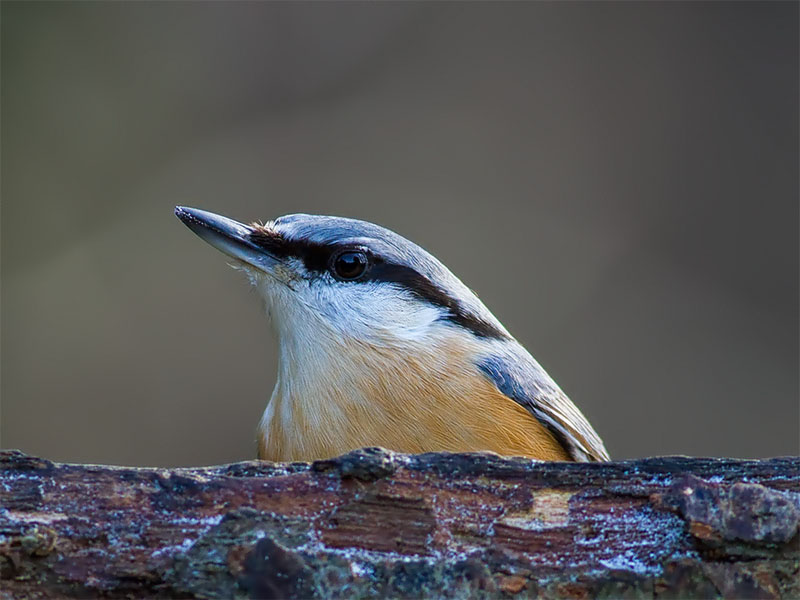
(518, 376)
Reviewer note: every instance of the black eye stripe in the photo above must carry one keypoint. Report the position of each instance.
(314, 256)
(317, 257)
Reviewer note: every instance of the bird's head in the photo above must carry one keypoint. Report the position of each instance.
(347, 277)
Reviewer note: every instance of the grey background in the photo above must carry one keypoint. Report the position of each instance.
(618, 182)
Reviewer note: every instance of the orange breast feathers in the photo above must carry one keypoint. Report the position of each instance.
(419, 397)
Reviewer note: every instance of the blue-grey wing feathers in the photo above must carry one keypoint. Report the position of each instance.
(517, 375)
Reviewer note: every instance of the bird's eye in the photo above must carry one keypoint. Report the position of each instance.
(349, 265)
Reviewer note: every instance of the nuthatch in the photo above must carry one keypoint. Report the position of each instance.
(381, 345)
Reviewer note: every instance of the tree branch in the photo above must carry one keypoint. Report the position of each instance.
(377, 524)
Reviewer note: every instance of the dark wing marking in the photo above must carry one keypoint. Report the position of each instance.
(526, 383)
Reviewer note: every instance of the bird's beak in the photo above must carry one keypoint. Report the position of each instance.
(228, 236)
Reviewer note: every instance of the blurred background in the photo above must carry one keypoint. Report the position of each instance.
(617, 181)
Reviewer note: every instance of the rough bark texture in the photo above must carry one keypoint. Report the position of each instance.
(375, 524)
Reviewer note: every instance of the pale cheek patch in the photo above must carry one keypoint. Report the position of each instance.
(373, 312)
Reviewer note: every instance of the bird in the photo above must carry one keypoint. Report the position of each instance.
(381, 345)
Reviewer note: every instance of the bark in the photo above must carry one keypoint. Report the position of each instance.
(374, 524)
